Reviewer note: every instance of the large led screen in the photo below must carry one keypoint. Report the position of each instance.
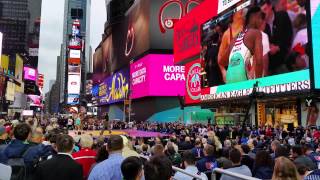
(264, 44)
(315, 25)
(114, 88)
(34, 100)
(73, 99)
(156, 75)
(74, 84)
(30, 73)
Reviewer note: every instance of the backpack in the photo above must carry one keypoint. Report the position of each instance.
(19, 169)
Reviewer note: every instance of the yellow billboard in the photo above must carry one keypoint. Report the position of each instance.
(18, 68)
(4, 62)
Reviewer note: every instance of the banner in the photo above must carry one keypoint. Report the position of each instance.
(193, 82)
(114, 88)
(156, 75)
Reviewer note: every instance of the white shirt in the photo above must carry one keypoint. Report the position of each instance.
(301, 37)
(5, 172)
(265, 43)
(192, 170)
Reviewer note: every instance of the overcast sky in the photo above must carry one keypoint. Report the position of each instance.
(51, 34)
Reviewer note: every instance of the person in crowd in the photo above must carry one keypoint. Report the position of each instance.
(280, 32)
(86, 156)
(247, 45)
(158, 168)
(174, 156)
(186, 144)
(19, 145)
(132, 168)
(208, 162)
(157, 150)
(235, 157)
(197, 151)
(284, 169)
(245, 158)
(145, 151)
(312, 154)
(111, 167)
(127, 148)
(61, 166)
(3, 136)
(299, 158)
(189, 161)
(263, 166)
(274, 145)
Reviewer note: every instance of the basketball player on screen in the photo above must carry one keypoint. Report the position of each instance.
(244, 59)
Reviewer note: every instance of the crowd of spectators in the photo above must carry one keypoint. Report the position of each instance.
(36, 152)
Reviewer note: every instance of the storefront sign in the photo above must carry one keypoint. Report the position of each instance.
(114, 88)
(193, 82)
(156, 75)
(273, 89)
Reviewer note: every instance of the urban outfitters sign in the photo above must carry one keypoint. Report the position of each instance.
(114, 88)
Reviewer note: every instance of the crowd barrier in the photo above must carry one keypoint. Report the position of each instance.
(213, 175)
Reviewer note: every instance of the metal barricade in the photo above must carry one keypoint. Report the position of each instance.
(232, 174)
(186, 173)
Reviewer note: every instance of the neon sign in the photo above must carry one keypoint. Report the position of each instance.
(115, 88)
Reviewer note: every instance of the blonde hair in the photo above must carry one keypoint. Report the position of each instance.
(284, 169)
(86, 141)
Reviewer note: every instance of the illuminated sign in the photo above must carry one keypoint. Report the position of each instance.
(193, 82)
(73, 99)
(30, 73)
(74, 82)
(114, 88)
(156, 75)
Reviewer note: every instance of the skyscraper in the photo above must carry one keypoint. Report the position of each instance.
(75, 12)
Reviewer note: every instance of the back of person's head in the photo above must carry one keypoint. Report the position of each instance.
(102, 153)
(209, 150)
(86, 141)
(145, 147)
(65, 143)
(245, 148)
(170, 149)
(235, 156)
(297, 149)
(158, 168)
(188, 157)
(22, 131)
(157, 150)
(132, 168)
(284, 169)
(263, 158)
(115, 143)
(281, 151)
(275, 144)
(37, 135)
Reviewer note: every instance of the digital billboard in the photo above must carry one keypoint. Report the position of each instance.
(315, 27)
(249, 43)
(18, 68)
(147, 26)
(34, 100)
(73, 99)
(30, 73)
(114, 88)
(74, 56)
(156, 75)
(74, 84)
(193, 82)
(74, 69)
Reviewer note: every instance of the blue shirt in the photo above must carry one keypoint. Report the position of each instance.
(108, 169)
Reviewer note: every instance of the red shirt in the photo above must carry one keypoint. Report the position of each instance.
(86, 157)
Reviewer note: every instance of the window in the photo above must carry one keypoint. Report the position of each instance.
(76, 13)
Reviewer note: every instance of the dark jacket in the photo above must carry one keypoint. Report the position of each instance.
(263, 172)
(185, 146)
(247, 160)
(59, 167)
(197, 151)
(206, 163)
(281, 36)
(38, 152)
(13, 150)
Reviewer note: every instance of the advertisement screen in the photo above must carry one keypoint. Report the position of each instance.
(145, 26)
(248, 44)
(114, 88)
(74, 69)
(74, 84)
(193, 82)
(156, 75)
(18, 68)
(30, 73)
(34, 100)
(74, 56)
(73, 99)
(315, 25)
